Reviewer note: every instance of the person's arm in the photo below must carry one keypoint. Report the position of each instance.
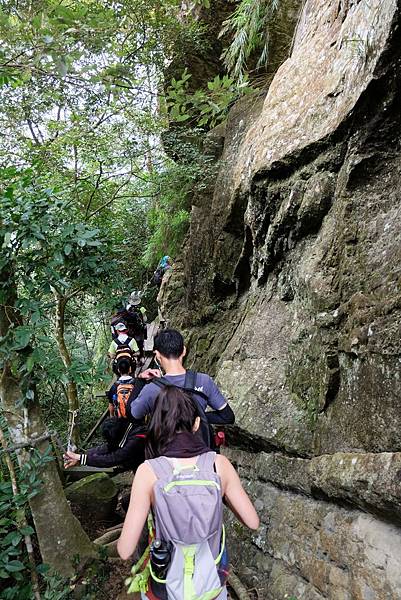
(96, 458)
(138, 387)
(72, 459)
(112, 349)
(110, 394)
(222, 413)
(143, 404)
(138, 510)
(133, 345)
(236, 497)
(224, 416)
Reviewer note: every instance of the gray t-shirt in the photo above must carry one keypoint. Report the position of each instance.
(143, 404)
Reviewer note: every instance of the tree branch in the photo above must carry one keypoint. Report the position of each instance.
(29, 442)
(97, 184)
(31, 129)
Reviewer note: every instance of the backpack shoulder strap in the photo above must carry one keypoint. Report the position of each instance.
(125, 381)
(190, 385)
(125, 344)
(160, 466)
(161, 382)
(206, 461)
(190, 380)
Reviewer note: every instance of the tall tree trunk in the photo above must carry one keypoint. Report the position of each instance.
(72, 390)
(21, 520)
(59, 533)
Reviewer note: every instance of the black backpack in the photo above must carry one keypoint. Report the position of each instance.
(157, 276)
(134, 321)
(189, 388)
(123, 350)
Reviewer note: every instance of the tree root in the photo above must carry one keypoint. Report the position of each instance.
(111, 548)
(238, 587)
(109, 536)
(118, 526)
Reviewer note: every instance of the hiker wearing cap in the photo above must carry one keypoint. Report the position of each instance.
(122, 337)
(179, 490)
(122, 347)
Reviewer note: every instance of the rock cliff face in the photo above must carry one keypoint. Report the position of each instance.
(289, 292)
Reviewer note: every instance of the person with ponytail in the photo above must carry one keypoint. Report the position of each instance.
(178, 465)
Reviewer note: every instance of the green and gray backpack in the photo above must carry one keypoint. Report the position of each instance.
(188, 512)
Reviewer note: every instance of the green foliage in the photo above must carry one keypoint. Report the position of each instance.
(47, 247)
(249, 27)
(178, 184)
(57, 587)
(202, 3)
(204, 108)
(43, 239)
(86, 190)
(14, 570)
(63, 36)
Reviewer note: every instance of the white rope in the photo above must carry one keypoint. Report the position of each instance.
(71, 446)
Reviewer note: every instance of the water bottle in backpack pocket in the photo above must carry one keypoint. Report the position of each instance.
(160, 557)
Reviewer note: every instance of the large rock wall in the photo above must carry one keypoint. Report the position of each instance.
(309, 546)
(292, 299)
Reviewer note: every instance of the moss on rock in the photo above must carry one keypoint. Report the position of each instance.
(97, 494)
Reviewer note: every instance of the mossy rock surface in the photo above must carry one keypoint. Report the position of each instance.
(123, 481)
(97, 494)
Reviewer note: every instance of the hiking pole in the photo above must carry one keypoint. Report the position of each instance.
(96, 426)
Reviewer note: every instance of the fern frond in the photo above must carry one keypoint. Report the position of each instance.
(249, 25)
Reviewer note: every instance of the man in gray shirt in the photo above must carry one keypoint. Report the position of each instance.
(169, 352)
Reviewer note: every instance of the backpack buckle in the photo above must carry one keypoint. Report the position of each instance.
(189, 556)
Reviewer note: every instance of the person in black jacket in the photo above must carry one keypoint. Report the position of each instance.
(124, 447)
